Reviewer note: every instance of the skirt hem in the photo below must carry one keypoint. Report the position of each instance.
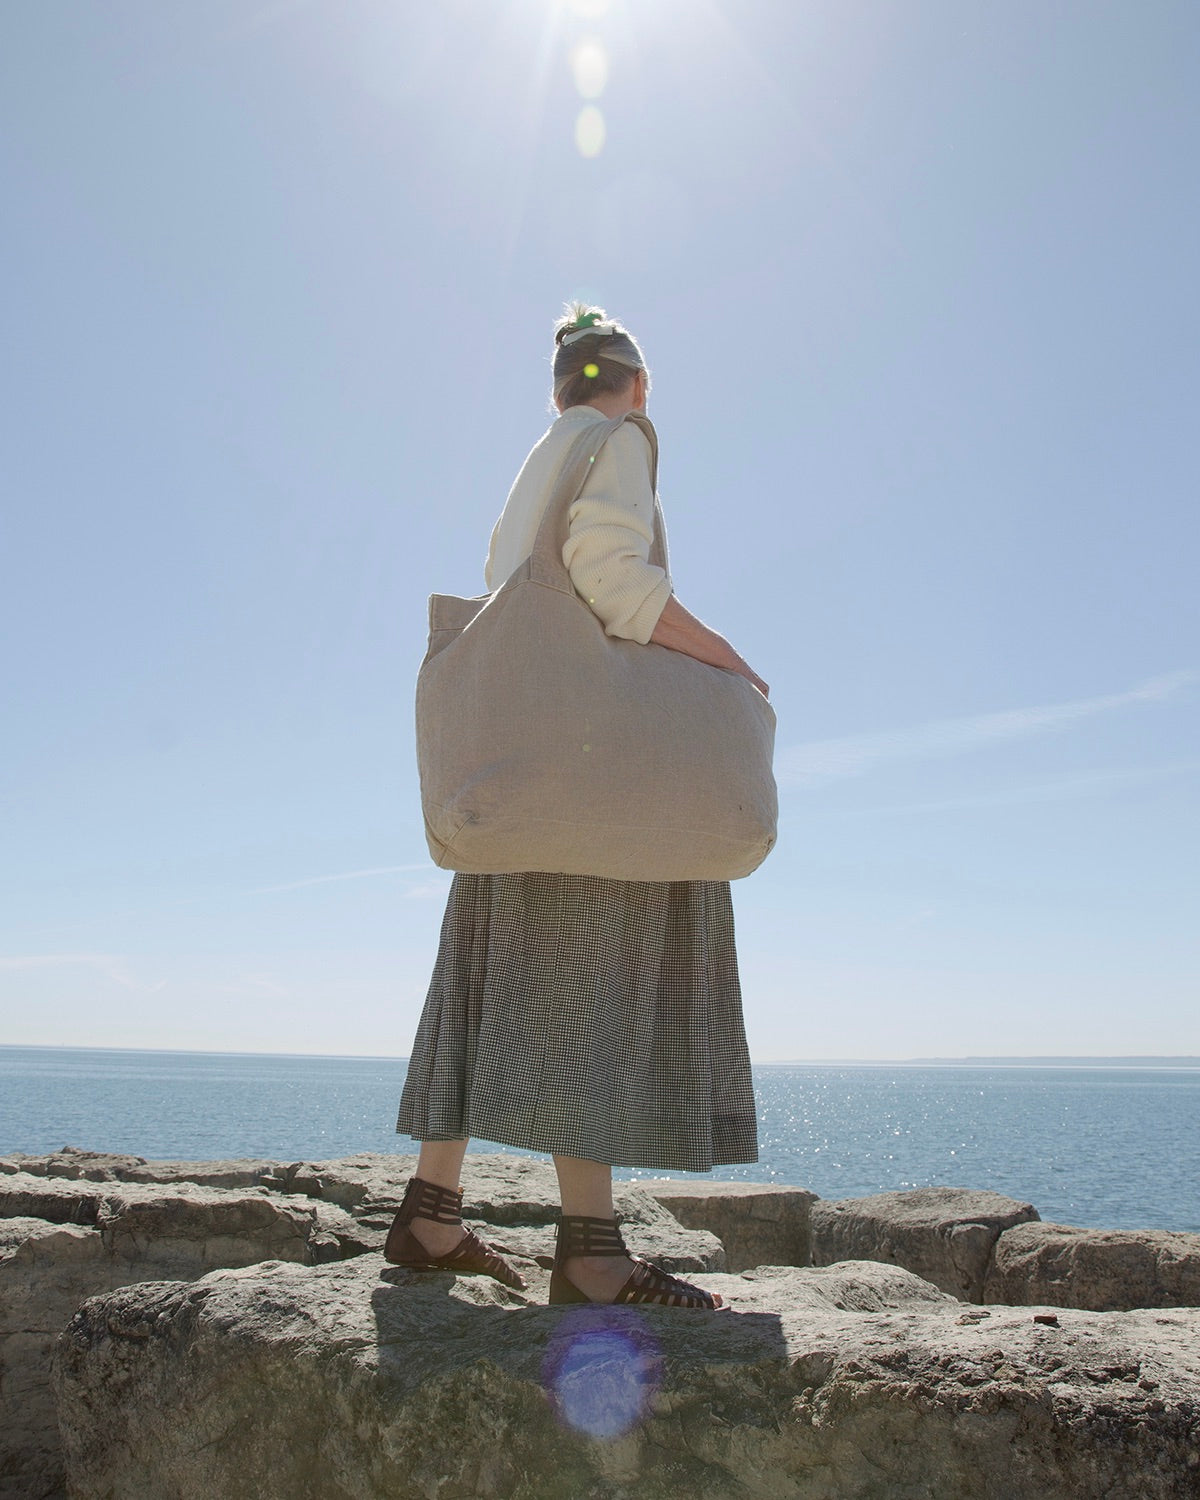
(732, 1156)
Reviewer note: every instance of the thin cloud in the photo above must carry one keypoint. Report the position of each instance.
(111, 965)
(295, 885)
(262, 986)
(828, 760)
(49, 960)
(1089, 784)
(428, 890)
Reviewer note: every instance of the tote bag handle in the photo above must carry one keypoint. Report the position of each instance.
(546, 560)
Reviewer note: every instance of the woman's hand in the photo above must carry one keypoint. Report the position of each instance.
(679, 630)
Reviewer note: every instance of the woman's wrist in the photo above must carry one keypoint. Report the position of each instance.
(679, 630)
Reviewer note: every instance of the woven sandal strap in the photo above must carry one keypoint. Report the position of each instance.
(579, 1234)
(475, 1255)
(428, 1200)
(649, 1283)
(474, 1249)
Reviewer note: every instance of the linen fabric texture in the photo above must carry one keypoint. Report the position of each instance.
(544, 744)
(586, 1017)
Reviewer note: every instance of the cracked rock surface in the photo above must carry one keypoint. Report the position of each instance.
(63, 1240)
(944, 1234)
(1097, 1269)
(857, 1381)
(77, 1223)
(240, 1334)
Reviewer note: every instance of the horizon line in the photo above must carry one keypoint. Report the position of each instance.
(1011, 1059)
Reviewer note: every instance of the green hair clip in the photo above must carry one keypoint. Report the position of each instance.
(586, 325)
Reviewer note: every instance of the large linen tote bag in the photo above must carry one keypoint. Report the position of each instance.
(545, 744)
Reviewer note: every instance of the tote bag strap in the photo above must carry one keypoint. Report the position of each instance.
(546, 560)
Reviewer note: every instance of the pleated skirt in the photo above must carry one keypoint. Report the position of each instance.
(586, 1017)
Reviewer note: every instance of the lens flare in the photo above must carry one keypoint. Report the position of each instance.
(589, 131)
(589, 65)
(602, 1368)
(591, 371)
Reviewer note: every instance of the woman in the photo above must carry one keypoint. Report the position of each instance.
(598, 1020)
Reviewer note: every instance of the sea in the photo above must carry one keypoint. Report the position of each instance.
(1112, 1146)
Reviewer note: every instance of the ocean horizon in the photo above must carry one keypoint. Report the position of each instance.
(1110, 1142)
(1098, 1060)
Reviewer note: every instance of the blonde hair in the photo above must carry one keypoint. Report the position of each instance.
(599, 357)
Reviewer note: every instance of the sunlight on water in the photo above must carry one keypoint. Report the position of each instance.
(1110, 1147)
(1107, 1147)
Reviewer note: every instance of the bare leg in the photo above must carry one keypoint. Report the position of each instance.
(585, 1187)
(439, 1162)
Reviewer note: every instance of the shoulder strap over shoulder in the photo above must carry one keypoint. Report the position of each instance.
(546, 561)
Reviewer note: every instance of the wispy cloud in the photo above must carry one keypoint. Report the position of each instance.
(255, 986)
(827, 760)
(51, 960)
(1087, 784)
(111, 965)
(428, 889)
(295, 885)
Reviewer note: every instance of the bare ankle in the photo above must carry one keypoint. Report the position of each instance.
(438, 1237)
(597, 1264)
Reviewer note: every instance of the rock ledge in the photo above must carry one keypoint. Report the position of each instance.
(858, 1381)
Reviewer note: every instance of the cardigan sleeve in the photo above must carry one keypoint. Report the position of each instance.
(611, 528)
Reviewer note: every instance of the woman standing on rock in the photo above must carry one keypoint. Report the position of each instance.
(598, 1020)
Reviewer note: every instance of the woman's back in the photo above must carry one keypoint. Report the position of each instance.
(612, 525)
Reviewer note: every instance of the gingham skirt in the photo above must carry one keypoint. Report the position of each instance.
(586, 1017)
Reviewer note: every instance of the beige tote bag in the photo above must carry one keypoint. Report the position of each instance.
(545, 744)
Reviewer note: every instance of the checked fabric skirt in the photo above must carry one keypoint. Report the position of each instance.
(586, 1017)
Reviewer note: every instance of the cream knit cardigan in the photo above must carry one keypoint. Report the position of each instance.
(612, 525)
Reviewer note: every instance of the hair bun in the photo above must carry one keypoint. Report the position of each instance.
(579, 321)
(593, 354)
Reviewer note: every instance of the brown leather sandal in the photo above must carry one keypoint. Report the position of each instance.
(581, 1235)
(426, 1200)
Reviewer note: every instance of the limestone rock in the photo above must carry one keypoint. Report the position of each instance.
(98, 1166)
(854, 1379)
(511, 1200)
(359, 1381)
(201, 1227)
(66, 1239)
(79, 1223)
(372, 1178)
(943, 1234)
(107, 1166)
(498, 1188)
(1100, 1269)
(758, 1223)
(500, 1191)
(45, 1271)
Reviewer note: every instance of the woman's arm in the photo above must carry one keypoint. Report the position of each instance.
(611, 529)
(679, 630)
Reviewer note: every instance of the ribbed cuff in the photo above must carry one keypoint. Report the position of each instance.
(639, 626)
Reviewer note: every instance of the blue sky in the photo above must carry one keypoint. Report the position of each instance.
(918, 286)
